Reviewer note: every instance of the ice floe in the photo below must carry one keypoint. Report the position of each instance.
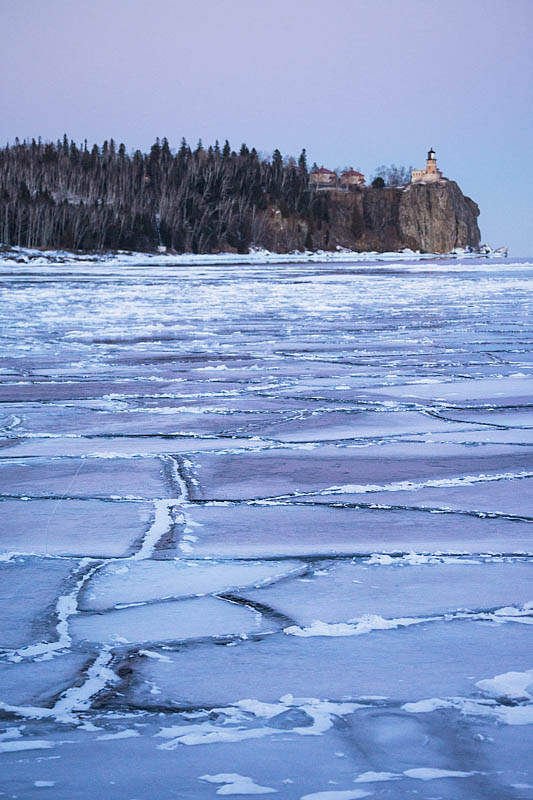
(509, 685)
(236, 784)
(123, 583)
(347, 794)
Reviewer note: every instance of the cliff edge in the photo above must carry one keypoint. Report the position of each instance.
(430, 217)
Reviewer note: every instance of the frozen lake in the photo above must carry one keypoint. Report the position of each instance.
(267, 529)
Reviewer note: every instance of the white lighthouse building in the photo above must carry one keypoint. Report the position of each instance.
(430, 173)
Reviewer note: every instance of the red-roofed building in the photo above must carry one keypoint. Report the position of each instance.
(322, 177)
(351, 178)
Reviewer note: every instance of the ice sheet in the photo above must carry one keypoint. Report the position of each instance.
(255, 531)
(505, 496)
(259, 415)
(84, 478)
(437, 657)
(171, 621)
(347, 591)
(40, 582)
(38, 683)
(72, 527)
(490, 391)
(275, 473)
(337, 425)
(137, 767)
(119, 583)
(116, 447)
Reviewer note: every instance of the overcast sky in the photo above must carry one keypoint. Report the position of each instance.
(356, 82)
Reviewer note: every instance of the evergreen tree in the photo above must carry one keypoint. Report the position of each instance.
(58, 195)
(302, 162)
(184, 150)
(277, 160)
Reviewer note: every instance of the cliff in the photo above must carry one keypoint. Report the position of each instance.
(438, 217)
(431, 217)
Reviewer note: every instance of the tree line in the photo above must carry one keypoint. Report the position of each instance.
(62, 195)
(201, 200)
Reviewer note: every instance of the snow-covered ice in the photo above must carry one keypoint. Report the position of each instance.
(511, 686)
(266, 526)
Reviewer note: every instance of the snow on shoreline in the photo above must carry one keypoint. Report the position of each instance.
(24, 255)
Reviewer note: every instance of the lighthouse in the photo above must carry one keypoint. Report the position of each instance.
(430, 173)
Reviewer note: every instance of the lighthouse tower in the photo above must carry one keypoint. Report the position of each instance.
(431, 173)
(431, 163)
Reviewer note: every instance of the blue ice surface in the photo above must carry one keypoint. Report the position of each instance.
(266, 528)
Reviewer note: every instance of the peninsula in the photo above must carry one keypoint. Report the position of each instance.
(214, 199)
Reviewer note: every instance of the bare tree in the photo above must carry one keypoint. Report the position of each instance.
(393, 175)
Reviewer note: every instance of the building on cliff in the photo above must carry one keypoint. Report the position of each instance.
(321, 177)
(324, 178)
(431, 173)
(351, 178)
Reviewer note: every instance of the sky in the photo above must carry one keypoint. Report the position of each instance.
(356, 82)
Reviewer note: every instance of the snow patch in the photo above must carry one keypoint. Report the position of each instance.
(430, 774)
(128, 733)
(355, 627)
(349, 794)
(409, 486)
(153, 654)
(375, 777)
(25, 744)
(230, 721)
(509, 685)
(236, 784)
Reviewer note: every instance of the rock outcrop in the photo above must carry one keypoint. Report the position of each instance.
(430, 217)
(437, 217)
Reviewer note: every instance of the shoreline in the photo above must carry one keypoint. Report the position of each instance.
(14, 256)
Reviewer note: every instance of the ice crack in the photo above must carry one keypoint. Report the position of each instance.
(162, 523)
(66, 606)
(76, 698)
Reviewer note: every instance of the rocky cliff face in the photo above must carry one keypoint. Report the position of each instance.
(438, 217)
(431, 217)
